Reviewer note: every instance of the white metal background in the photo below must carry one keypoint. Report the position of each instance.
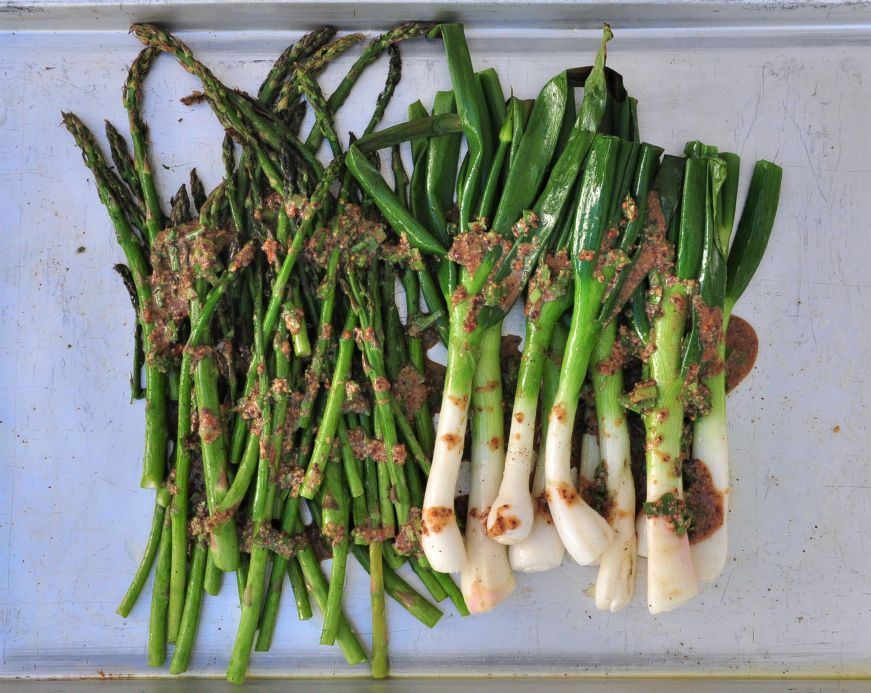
(795, 597)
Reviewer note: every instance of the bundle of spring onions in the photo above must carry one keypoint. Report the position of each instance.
(287, 403)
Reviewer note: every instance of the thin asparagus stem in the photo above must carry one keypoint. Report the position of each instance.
(162, 500)
(179, 508)
(323, 115)
(335, 526)
(136, 389)
(289, 522)
(402, 592)
(428, 579)
(159, 600)
(261, 515)
(327, 291)
(318, 588)
(295, 318)
(379, 663)
(352, 466)
(191, 615)
(213, 578)
(332, 411)
(394, 74)
(297, 582)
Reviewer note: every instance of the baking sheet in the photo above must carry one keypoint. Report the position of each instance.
(794, 599)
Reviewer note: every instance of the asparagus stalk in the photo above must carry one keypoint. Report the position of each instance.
(336, 511)
(235, 110)
(286, 100)
(159, 601)
(132, 95)
(301, 598)
(283, 380)
(261, 516)
(332, 411)
(283, 66)
(213, 577)
(378, 661)
(154, 461)
(151, 547)
(191, 615)
(403, 593)
(124, 163)
(156, 434)
(224, 541)
(136, 389)
(370, 54)
(347, 640)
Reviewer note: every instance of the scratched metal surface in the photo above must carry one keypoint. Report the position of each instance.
(794, 599)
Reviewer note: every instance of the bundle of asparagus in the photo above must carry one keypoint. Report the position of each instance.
(287, 405)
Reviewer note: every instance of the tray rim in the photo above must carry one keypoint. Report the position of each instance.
(112, 15)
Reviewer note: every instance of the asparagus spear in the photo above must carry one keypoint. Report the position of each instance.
(312, 64)
(336, 512)
(191, 615)
(151, 547)
(283, 66)
(232, 108)
(370, 53)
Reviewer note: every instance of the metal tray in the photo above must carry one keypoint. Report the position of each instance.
(773, 80)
